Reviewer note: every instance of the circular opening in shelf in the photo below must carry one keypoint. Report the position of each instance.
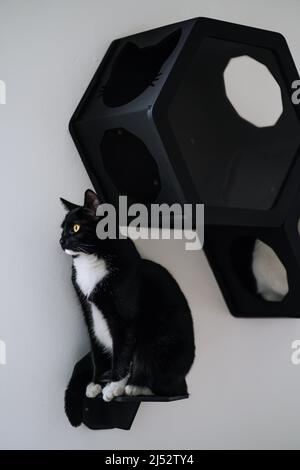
(130, 166)
(260, 269)
(253, 91)
(135, 68)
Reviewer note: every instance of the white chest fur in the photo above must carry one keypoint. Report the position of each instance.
(100, 328)
(90, 270)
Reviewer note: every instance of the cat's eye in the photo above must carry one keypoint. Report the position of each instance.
(76, 228)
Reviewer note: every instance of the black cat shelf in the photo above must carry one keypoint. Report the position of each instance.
(159, 123)
(95, 413)
(119, 413)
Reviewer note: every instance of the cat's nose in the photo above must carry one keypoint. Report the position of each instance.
(62, 240)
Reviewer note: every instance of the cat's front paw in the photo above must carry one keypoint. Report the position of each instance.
(113, 389)
(92, 390)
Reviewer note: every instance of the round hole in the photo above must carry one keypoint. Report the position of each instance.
(135, 68)
(259, 269)
(253, 91)
(269, 272)
(130, 166)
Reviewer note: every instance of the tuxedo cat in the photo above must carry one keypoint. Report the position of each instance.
(136, 314)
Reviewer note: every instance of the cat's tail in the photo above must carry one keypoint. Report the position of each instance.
(75, 391)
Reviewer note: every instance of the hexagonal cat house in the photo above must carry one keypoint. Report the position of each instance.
(167, 118)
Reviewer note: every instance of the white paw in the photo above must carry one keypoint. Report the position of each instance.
(135, 390)
(114, 389)
(92, 390)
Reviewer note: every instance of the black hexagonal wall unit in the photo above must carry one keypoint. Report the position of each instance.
(156, 124)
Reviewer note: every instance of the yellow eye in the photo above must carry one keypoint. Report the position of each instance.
(76, 228)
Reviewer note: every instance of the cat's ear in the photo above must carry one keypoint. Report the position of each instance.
(91, 200)
(69, 206)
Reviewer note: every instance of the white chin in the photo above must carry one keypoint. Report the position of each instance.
(71, 252)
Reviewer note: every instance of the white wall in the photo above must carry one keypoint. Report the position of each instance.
(244, 389)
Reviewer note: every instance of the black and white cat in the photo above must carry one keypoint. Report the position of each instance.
(134, 310)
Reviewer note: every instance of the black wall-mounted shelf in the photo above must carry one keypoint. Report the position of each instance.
(155, 124)
(95, 413)
(119, 413)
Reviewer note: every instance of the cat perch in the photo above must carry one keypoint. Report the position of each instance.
(95, 413)
(119, 413)
(160, 123)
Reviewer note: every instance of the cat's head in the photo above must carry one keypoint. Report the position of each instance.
(79, 225)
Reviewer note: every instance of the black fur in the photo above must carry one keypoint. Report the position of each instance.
(148, 316)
